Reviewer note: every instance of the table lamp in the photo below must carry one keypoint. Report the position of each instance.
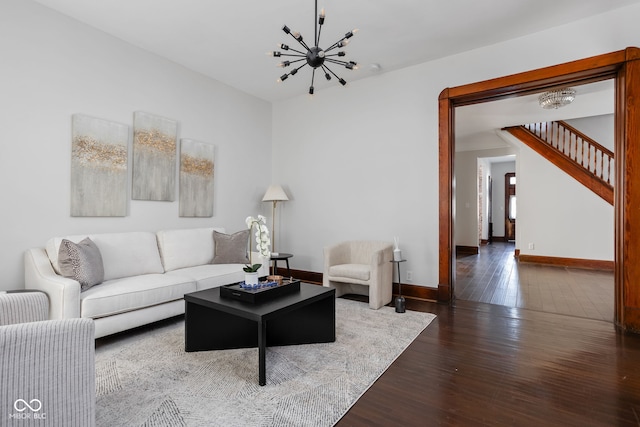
(274, 194)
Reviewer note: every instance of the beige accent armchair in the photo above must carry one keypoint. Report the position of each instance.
(360, 267)
(47, 366)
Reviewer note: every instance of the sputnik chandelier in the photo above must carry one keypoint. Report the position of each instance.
(315, 57)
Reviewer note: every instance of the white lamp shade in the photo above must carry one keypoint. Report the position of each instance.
(274, 193)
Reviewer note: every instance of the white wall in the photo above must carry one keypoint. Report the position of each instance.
(361, 162)
(466, 194)
(599, 128)
(557, 214)
(53, 67)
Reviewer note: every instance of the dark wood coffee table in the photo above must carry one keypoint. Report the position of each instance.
(215, 323)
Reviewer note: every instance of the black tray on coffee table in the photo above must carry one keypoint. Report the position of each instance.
(256, 296)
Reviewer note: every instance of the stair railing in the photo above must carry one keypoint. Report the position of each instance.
(583, 150)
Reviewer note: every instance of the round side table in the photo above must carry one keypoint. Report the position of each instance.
(282, 256)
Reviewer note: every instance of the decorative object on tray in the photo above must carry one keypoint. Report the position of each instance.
(262, 244)
(259, 285)
(251, 277)
(277, 279)
(259, 293)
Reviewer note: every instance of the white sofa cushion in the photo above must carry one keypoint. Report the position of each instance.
(186, 248)
(132, 293)
(212, 275)
(123, 254)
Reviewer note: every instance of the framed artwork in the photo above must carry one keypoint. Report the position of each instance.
(196, 178)
(99, 162)
(154, 157)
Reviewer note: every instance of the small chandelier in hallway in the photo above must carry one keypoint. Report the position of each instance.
(315, 56)
(557, 98)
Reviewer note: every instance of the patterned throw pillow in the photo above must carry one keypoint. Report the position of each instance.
(230, 249)
(81, 262)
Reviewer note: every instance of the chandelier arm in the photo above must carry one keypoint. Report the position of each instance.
(291, 62)
(331, 71)
(315, 35)
(295, 70)
(318, 36)
(298, 51)
(295, 56)
(304, 44)
(300, 41)
(335, 45)
(334, 54)
(336, 61)
(313, 76)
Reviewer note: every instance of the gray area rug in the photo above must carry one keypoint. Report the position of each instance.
(147, 379)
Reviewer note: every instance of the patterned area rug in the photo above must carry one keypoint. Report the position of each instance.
(147, 379)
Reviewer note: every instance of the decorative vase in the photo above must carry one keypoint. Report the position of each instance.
(251, 278)
(397, 254)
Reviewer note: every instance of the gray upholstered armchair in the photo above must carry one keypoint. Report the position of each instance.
(360, 267)
(46, 366)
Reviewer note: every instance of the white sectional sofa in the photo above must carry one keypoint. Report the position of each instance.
(145, 276)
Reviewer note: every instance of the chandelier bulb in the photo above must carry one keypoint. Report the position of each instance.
(283, 78)
(351, 33)
(284, 64)
(310, 90)
(342, 53)
(283, 46)
(286, 29)
(327, 76)
(321, 17)
(274, 53)
(342, 81)
(297, 36)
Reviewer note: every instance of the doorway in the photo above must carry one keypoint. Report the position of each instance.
(624, 67)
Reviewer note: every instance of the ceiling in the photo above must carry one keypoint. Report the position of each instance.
(227, 39)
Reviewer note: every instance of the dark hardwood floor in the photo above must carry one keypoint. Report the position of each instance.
(484, 364)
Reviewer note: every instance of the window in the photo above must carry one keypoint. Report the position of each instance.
(512, 206)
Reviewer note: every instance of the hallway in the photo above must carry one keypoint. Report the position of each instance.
(495, 277)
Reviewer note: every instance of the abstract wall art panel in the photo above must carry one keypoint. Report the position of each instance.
(196, 178)
(154, 157)
(99, 154)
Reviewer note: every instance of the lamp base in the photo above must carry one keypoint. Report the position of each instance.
(400, 305)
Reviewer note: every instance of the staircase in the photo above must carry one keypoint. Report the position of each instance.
(584, 159)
